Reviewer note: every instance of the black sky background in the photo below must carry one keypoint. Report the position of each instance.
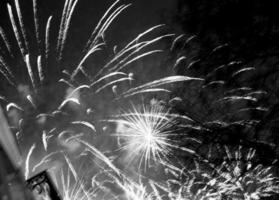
(141, 15)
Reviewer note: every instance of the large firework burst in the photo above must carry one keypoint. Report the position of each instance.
(72, 111)
(147, 133)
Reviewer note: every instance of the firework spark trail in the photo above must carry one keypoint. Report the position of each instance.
(22, 27)
(16, 32)
(112, 83)
(13, 105)
(36, 24)
(47, 40)
(135, 191)
(45, 160)
(130, 46)
(45, 139)
(70, 11)
(178, 61)
(243, 70)
(91, 42)
(5, 40)
(72, 193)
(27, 161)
(110, 19)
(107, 76)
(159, 82)
(8, 73)
(91, 51)
(73, 100)
(128, 62)
(40, 69)
(224, 93)
(174, 42)
(66, 8)
(235, 178)
(86, 124)
(100, 155)
(263, 179)
(31, 100)
(78, 89)
(30, 71)
(135, 49)
(104, 23)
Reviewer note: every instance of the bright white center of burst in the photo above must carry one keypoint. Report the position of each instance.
(145, 134)
(149, 137)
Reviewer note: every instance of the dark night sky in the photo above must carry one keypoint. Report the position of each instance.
(142, 14)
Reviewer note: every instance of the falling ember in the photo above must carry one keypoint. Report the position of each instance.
(27, 161)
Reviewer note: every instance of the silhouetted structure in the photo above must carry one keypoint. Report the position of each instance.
(42, 185)
(12, 185)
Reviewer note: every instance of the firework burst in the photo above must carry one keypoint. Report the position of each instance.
(237, 177)
(37, 60)
(146, 133)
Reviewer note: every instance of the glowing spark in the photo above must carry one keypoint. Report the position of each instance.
(36, 21)
(6, 67)
(134, 191)
(4, 73)
(45, 139)
(66, 82)
(16, 32)
(21, 24)
(30, 71)
(3, 98)
(91, 51)
(47, 42)
(99, 155)
(27, 161)
(74, 100)
(107, 76)
(71, 7)
(178, 61)
(40, 68)
(5, 40)
(193, 63)
(30, 99)
(243, 70)
(112, 83)
(159, 82)
(175, 41)
(237, 98)
(70, 165)
(84, 123)
(45, 159)
(77, 191)
(13, 105)
(77, 89)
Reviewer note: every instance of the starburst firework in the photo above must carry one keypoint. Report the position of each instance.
(146, 133)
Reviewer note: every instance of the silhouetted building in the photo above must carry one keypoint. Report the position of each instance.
(12, 185)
